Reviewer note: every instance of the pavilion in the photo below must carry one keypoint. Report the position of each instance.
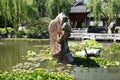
(78, 15)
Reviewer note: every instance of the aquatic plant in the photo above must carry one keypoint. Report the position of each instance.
(112, 52)
(74, 47)
(35, 75)
(31, 53)
(91, 44)
(45, 50)
(94, 62)
(88, 44)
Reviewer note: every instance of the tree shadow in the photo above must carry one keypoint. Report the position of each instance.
(85, 62)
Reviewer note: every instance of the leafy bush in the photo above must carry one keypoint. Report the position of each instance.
(36, 75)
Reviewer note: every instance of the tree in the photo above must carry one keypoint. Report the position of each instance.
(54, 7)
(41, 7)
(104, 8)
(16, 11)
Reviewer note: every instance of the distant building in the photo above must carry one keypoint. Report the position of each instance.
(78, 14)
(118, 20)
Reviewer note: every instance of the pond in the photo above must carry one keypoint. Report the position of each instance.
(11, 52)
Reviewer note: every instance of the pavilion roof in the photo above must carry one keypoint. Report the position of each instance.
(79, 9)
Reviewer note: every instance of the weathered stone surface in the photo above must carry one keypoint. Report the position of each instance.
(90, 52)
(59, 31)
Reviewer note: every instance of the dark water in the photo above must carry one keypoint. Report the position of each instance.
(112, 73)
(11, 52)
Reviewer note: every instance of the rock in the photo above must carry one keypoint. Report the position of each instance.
(90, 52)
(59, 31)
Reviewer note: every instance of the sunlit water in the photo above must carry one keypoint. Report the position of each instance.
(11, 52)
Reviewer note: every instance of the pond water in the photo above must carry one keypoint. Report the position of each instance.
(11, 52)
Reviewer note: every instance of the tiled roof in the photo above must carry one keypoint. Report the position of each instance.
(78, 9)
(78, 3)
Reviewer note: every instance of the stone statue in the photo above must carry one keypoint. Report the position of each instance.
(59, 31)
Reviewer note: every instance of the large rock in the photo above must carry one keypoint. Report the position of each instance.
(59, 31)
(90, 52)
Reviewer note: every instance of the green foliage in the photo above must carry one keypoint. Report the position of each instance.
(115, 47)
(91, 44)
(88, 44)
(10, 30)
(54, 7)
(36, 75)
(45, 50)
(101, 61)
(107, 8)
(16, 11)
(38, 27)
(2, 30)
(41, 7)
(31, 53)
(95, 7)
(74, 47)
(20, 34)
(94, 62)
(112, 52)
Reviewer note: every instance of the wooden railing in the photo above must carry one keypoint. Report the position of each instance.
(96, 36)
(79, 30)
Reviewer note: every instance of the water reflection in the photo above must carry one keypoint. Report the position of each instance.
(11, 51)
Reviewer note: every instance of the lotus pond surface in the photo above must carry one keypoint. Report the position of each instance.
(12, 52)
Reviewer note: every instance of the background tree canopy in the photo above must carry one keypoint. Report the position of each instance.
(106, 8)
(54, 7)
(15, 13)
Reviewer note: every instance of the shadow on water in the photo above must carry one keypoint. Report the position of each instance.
(85, 62)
